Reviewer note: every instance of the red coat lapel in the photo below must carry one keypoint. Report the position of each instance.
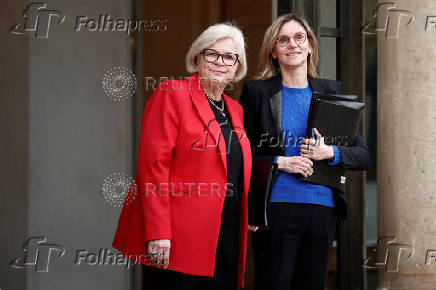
(212, 138)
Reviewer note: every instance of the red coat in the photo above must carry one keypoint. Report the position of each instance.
(180, 149)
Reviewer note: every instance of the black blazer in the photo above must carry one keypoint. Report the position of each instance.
(262, 104)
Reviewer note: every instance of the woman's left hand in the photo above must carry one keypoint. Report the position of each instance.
(253, 228)
(316, 149)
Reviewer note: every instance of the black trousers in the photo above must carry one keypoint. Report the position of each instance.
(294, 253)
(225, 275)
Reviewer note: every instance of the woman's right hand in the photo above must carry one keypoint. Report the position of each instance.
(295, 164)
(159, 251)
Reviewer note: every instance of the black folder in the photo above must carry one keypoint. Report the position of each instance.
(336, 117)
(333, 97)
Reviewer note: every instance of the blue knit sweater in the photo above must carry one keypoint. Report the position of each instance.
(287, 188)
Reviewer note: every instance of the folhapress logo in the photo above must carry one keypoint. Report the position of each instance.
(38, 20)
(388, 254)
(38, 253)
(388, 18)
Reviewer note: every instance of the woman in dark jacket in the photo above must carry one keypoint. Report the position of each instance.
(294, 253)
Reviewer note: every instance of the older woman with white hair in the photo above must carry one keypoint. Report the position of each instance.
(188, 222)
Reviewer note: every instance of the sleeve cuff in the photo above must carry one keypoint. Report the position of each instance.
(337, 159)
(275, 159)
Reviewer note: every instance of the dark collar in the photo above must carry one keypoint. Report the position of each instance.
(315, 84)
(276, 84)
(275, 98)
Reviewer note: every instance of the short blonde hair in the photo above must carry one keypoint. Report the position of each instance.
(209, 37)
(270, 67)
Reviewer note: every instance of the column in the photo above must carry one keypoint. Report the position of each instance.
(406, 132)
